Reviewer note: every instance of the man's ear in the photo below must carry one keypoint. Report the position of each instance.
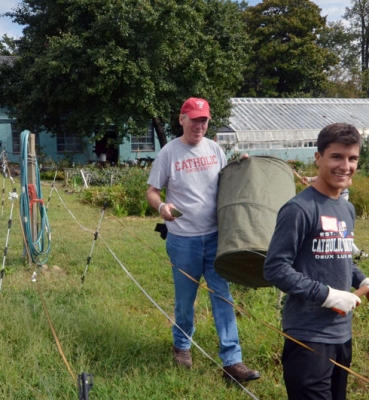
(181, 117)
(317, 158)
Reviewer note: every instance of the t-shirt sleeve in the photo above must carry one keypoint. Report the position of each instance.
(159, 173)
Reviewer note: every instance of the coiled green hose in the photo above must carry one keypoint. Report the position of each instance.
(31, 196)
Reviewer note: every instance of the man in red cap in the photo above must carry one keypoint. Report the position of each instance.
(188, 167)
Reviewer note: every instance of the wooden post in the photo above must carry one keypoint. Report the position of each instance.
(31, 172)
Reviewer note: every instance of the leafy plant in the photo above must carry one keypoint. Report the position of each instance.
(127, 194)
(234, 156)
(297, 165)
(359, 195)
(364, 157)
(119, 210)
(49, 174)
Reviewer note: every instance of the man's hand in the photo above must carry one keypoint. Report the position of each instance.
(165, 211)
(341, 300)
(305, 180)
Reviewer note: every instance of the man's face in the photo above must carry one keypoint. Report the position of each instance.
(193, 129)
(336, 167)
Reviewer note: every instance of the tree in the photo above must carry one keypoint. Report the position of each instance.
(345, 78)
(88, 65)
(358, 18)
(287, 57)
(8, 46)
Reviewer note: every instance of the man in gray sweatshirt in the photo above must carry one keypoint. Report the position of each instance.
(310, 259)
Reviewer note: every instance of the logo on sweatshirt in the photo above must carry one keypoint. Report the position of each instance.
(342, 228)
(334, 240)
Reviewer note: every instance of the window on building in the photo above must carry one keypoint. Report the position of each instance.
(276, 145)
(143, 143)
(16, 139)
(68, 143)
(226, 137)
(240, 146)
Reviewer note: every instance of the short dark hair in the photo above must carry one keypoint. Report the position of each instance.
(338, 133)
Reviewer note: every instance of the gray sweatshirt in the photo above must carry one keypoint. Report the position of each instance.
(311, 249)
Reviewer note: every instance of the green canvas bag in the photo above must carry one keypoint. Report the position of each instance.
(251, 192)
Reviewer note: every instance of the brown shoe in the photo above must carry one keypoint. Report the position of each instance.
(183, 357)
(240, 372)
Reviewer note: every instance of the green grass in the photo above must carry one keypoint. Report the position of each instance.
(109, 328)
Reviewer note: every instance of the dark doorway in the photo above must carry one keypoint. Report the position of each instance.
(107, 148)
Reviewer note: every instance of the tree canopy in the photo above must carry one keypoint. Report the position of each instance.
(287, 59)
(7, 46)
(358, 18)
(350, 41)
(86, 65)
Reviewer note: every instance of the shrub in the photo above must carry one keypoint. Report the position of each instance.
(296, 164)
(364, 157)
(49, 175)
(359, 195)
(108, 175)
(124, 191)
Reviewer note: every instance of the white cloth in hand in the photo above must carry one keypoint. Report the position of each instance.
(341, 300)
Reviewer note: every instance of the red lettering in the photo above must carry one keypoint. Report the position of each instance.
(192, 163)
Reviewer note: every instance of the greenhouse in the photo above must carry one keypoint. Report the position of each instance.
(287, 128)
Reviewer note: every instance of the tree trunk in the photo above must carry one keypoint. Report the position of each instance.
(158, 126)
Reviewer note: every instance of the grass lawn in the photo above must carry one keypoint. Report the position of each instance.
(111, 328)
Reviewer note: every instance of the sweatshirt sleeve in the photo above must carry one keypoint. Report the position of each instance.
(357, 276)
(279, 268)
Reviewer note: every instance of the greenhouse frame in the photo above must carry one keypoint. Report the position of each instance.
(287, 128)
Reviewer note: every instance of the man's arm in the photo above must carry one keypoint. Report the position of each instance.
(358, 277)
(154, 199)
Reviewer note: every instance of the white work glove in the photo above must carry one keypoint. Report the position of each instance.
(341, 300)
(364, 282)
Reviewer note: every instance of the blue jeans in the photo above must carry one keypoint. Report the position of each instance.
(195, 256)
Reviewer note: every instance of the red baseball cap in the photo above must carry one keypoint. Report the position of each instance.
(196, 108)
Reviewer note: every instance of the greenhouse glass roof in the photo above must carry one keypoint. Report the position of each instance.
(269, 119)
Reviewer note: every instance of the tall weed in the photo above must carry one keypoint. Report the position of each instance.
(359, 195)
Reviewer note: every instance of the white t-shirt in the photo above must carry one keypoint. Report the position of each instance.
(190, 175)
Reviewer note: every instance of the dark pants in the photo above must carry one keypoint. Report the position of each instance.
(311, 375)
